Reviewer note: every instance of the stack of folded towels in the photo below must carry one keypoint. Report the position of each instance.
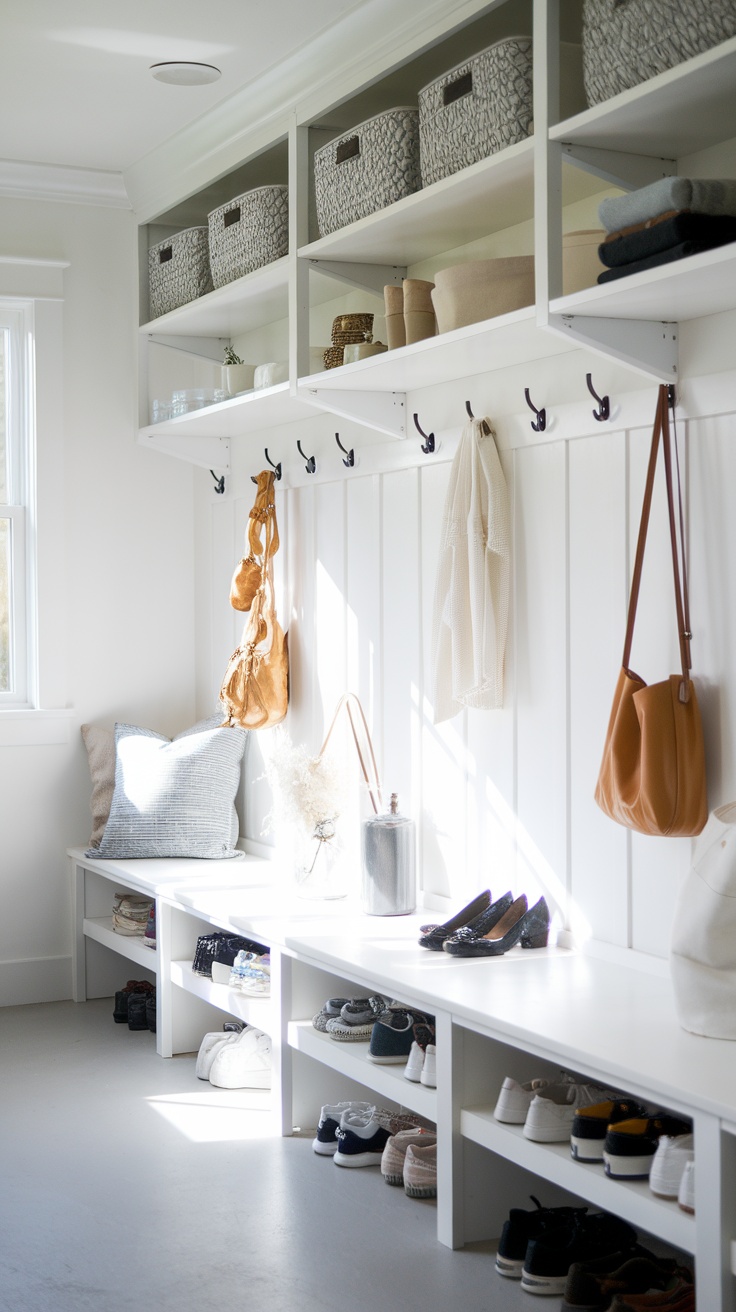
(666, 221)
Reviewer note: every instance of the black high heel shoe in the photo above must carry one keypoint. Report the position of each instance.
(433, 936)
(518, 925)
(483, 923)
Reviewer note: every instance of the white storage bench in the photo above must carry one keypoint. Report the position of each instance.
(525, 1014)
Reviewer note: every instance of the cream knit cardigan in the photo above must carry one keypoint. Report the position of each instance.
(471, 601)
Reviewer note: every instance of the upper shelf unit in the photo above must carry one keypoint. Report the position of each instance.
(626, 141)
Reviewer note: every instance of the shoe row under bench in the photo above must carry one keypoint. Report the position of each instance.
(526, 1014)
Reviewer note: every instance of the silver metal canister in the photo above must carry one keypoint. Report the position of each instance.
(389, 864)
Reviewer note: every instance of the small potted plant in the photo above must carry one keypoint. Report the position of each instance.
(236, 376)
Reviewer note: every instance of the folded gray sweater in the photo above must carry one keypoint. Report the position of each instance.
(699, 195)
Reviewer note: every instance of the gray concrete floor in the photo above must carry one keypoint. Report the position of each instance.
(128, 1184)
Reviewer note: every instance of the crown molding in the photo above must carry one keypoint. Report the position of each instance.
(349, 54)
(23, 180)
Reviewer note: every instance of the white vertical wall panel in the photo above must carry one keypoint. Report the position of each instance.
(657, 864)
(598, 596)
(491, 767)
(402, 664)
(300, 548)
(330, 586)
(541, 671)
(363, 637)
(712, 468)
(444, 765)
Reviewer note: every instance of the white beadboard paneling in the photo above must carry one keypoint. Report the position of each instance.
(227, 517)
(598, 597)
(330, 596)
(444, 867)
(541, 681)
(491, 762)
(401, 656)
(363, 641)
(712, 478)
(300, 549)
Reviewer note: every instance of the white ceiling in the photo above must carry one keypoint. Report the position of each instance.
(74, 82)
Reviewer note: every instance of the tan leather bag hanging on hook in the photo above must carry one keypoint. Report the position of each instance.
(652, 776)
(247, 577)
(255, 689)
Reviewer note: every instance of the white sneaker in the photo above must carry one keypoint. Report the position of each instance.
(514, 1100)
(414, 1064)
(686, 1192)
(245, 1064)
(208, 1048)
(428, 1076)
(669, 1162)
(552, 1111)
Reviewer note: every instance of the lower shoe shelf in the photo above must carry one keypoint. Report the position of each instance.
(100, 928)
(253, 1011)
(351, 1059)
(631, 1199)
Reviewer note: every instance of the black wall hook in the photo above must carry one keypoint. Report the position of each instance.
(219, 482)
(276, 468)
(604, 404)
(470, 412)
(428, 443)
(350, 462)
(311, 465)
(540, 424)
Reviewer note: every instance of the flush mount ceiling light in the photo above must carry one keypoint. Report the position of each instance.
(184, 73)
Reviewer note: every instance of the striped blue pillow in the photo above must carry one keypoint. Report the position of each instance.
(174, 797)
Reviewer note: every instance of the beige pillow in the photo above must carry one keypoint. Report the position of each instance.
(100, 744)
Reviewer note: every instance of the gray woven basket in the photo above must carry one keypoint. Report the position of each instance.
(367, 168)
(249, 231)
(625, 42)
(476, 108)
(178, 271)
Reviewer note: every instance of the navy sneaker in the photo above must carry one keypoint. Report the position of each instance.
(590, 1126)
(325, 1140)
(393, 1035)
(629, 1147)
(360, 1141)
(549, 1258)
(521, 1227)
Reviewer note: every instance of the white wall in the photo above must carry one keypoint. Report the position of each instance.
(116, 566)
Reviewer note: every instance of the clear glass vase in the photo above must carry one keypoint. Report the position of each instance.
(321, 868)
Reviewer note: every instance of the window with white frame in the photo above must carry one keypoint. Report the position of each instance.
(16, 502)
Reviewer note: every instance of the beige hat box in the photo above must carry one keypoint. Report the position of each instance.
(482, 289)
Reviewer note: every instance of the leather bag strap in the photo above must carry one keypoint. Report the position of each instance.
(365, 753)
(661, 432)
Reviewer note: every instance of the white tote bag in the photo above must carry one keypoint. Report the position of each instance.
(703, 957)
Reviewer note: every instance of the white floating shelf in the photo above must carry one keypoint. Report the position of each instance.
(679, 112)
(631, 1199)
(685, 289)
(478, 348)
(250, 413)
(351, 1059)
(258, 298)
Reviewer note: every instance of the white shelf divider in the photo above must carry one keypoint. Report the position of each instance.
(252, 1011)
(100, 928)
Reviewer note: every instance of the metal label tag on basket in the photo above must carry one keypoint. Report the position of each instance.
(232, 216)
(165, 255)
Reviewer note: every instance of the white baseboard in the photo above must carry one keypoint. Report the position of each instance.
(45, 979)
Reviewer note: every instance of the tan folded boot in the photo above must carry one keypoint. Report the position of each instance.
(394, 303)
(419, 320)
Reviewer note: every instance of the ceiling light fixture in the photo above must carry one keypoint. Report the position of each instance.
(185, 73)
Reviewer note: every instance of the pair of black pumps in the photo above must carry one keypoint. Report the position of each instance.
(489, 929)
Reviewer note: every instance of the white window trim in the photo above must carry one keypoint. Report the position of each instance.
(16, 317)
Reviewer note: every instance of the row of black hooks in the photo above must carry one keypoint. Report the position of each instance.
(429, 444)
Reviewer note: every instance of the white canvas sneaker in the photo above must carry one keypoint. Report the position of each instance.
(245, 1064)
(414, 1064)
(514, 1100)
(428, 1076)
(669, 1162)
(552, 1111)
(207, 1050)
(686, 1192)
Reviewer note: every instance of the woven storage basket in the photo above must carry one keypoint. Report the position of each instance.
(367, 168)
(248, 232)
(333, 357)
(627, 41)
(178, 271)
(476, 108)
(351, 327)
